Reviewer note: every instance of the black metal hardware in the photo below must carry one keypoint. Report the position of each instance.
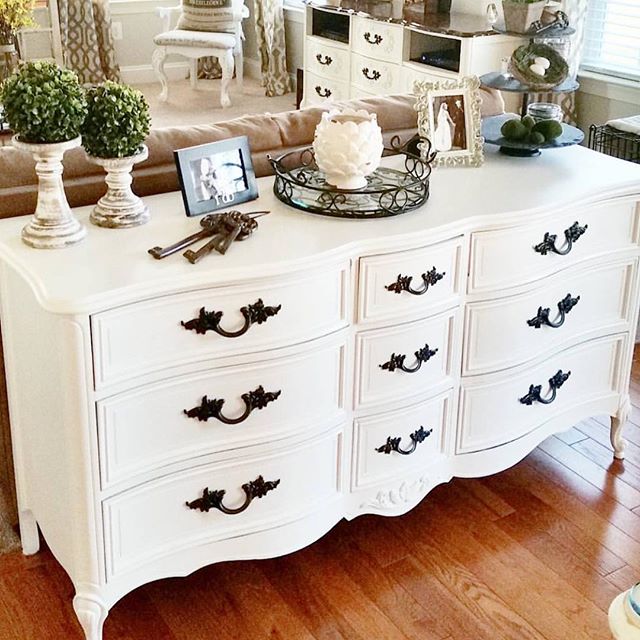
(403, 283)
(396, 361)
(255, 313)
(571, 235)
(257, 399)
(393, 444)
(564, 306)
(257, 488)
(377, 38)
(327, 59)
(323, 93)
(375, 75)
(555, 383)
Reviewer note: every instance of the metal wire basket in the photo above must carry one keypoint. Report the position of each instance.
(389, 192)
(613, 142)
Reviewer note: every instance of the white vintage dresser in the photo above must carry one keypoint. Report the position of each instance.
(166, 416)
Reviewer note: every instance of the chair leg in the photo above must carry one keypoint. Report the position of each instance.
(157, 62)
(193, 73)
(226, 63)
(239, 59)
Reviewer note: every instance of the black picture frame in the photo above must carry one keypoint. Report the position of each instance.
(216, 175)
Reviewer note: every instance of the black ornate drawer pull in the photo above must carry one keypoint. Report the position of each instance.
(323, 93)
(375, 75)
(396, 361)
(554, 384)
(571, 235)
(403, 283)
(564, 306)
(257, 399)
(393, 444)
(255, 313)
(377, 38)
(324, 62)
(257, 488)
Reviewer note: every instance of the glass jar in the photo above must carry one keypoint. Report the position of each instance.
(544, 111)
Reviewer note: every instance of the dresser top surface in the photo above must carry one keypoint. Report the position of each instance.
(112, 267)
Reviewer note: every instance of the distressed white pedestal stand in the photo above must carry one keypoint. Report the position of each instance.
(619, 623)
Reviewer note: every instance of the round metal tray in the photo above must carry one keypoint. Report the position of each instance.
(496, 80)
(389, 192)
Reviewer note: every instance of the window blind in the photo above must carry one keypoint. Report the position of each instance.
(612, 38)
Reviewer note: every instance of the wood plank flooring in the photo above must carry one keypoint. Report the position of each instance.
(534, 553)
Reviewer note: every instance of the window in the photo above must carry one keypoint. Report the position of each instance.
(612, 38)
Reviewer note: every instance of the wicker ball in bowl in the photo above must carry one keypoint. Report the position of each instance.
(523, 57)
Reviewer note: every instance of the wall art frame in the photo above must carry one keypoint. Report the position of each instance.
(449, 115)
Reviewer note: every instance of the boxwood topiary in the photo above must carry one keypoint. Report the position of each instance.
(117, 121)
(44, 102)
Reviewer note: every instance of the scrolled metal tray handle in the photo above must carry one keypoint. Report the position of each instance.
(396, 361)
(542, 317)
(535, 391)
(571, 235)
(403, 283)
(393, 444)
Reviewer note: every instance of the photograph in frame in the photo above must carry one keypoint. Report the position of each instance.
(216, 175)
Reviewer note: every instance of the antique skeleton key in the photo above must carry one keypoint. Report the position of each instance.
(208, 223)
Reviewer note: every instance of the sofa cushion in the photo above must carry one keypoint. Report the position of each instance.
(181, 38)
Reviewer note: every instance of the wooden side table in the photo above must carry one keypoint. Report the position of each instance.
(619, 624)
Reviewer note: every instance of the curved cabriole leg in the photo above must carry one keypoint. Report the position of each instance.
(226, 63)
(28, 532)
(91, 615)
(157, 61)
(617, 425)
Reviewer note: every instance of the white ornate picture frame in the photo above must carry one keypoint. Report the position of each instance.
(449, 116)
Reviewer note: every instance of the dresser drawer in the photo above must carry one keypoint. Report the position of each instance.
(409, 284)
(318, 89)
(326, 61)
(147, 429)
(147, 337)
(595, 300)
(492, 414)
(374, 76)
(144, 524)
(609, 228)
(411, 75)
(404, 362)
(378, 40)
(420, 430)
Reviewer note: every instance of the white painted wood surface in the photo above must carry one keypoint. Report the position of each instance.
(100, 369)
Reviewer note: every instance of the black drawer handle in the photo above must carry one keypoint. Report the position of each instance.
(393, 444)
(396, 361)
(257, 399)
(257, 488)
(323, 93)
(377, 38)
(571, 235)
(564, 306)
(375, 75)
(403, 283)
(255, 313)
(324, 62)
(554, 384)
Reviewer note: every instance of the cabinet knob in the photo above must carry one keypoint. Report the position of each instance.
(257, 399)
(535, 391)
(255, 313)
(571, 235)
(257, 488)
(403, 283)
(542, 317)
(393, 444)
(396, 361)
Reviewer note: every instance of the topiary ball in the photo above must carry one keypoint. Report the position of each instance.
(117, 121)
(44, 103)
(514, 130)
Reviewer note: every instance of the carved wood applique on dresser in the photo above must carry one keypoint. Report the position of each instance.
(239, 408)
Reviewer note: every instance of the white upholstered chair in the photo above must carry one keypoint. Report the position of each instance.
(204, 29)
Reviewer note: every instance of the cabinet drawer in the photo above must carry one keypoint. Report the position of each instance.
(146, 429)
(378, 40)
(492, 414)
(318, 90)
(421, 430)
(603, 305)
(153, 520)
(610, 228)
(385, 292)
(374, 76)
(327, 61)
(147, 337)
(411, 75)
(380, 378)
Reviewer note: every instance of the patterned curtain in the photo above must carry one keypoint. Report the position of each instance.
(87, 44)
(269, 16)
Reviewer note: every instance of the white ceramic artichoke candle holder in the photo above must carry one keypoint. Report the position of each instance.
(348, 147)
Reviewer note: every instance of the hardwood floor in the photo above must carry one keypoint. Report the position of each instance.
(536, 552)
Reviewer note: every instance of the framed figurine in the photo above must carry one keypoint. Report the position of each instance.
(449, 116)
(216, 175)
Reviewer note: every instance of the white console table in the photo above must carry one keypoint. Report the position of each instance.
(344, 393)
